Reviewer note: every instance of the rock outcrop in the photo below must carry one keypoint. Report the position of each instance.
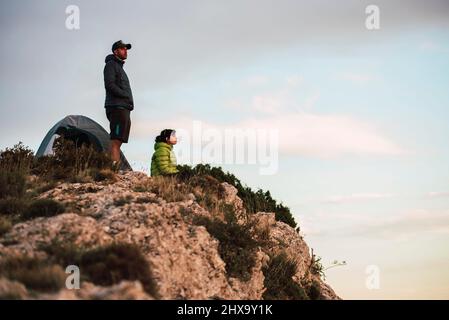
(184, 257)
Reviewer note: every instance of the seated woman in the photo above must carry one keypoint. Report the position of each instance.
(163, 161)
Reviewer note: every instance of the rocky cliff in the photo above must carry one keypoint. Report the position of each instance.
(187, 250)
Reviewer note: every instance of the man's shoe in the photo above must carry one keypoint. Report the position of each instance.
(115, 166)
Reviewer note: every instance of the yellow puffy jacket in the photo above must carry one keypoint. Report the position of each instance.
(163, 161)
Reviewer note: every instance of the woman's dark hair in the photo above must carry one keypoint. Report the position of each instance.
(164, 135)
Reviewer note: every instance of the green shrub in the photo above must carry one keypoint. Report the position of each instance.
(207, 183)
(145, 200)
(207, 189)
(43, 208)
(64, 254)
(253, 201)
(70, 162)
(15, 164)
(121, 201)
(237, 242)
(19, 157)
(35, 274)
(79, 158)
(111, 264)
(316, 267)
(313, 290)
(13, 206)
(46, 186)
(279, 282)
(5, 225)
(102, 174)
(12, 183)
(43, 167)
(73, 162)
(106, 265)
(166, 187)
(140, 188)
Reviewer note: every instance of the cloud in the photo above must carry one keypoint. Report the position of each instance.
(357, 77)
(437, 194)
(271, 102)
(429, 46)
(326, 136)
(174, 39)
(277, 101)
(432, 46)
(234, 104)
(257, 80)
(284, 99)
(413, 223)
(294, 80)
(145, 129)
(338, 199)
(175, 43)
(400, 227)
(310, 102)
(301, 134)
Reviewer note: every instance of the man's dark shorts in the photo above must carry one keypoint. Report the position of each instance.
(119, 123)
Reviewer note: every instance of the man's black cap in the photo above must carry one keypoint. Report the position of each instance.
(120, 44)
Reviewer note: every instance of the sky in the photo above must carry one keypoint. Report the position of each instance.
(361, 115)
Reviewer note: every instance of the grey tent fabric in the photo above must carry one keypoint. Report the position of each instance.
(84, 129)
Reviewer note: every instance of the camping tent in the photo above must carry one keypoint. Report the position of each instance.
(81, 129)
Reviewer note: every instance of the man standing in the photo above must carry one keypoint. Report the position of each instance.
(119, 98)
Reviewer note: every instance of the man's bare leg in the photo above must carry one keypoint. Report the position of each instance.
(115, 150)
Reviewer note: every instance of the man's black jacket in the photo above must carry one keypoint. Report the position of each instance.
(116, 82)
